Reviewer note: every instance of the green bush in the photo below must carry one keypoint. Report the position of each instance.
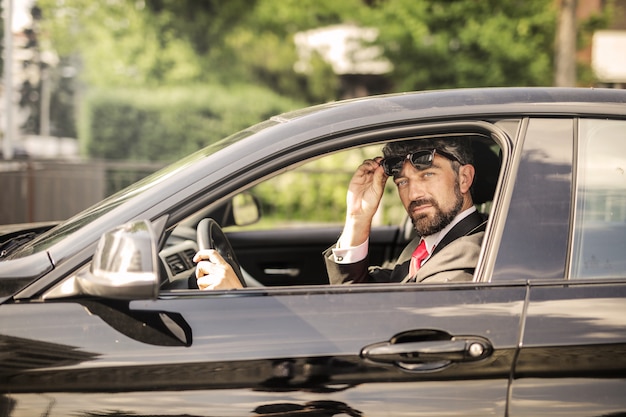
(316, 192)
(167, 123)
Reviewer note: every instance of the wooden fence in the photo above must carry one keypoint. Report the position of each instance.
(44, 190)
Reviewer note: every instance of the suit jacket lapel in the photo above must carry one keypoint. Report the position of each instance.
(473, 223)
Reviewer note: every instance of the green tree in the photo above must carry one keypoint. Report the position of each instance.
(432, 44)
(450, 44)
(264, 49)
(167, 123)
(173, 42)
(117, 44)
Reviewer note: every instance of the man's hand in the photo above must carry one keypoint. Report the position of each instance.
(364, 194)
(213, 272)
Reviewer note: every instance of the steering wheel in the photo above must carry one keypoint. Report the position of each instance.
(211, 236)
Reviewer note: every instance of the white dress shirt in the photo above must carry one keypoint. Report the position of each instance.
(353, 254)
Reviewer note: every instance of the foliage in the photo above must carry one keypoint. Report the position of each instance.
(451, 44)
(431, 43)
(164, 125)
(586, 29)
(265, 49)
(203, 24)
(317, 190)
(117, 44)
(147, 45)
(165, 42)
(162, 78)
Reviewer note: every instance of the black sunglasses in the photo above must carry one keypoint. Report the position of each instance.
(420, 160)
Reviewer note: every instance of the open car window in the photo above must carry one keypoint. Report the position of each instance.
(302, 212)
(314, 194)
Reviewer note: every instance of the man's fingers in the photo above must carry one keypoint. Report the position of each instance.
(369, 166)
(373, 167)
(207, 268)
(208, 255)
(213, 272)
(209, 261)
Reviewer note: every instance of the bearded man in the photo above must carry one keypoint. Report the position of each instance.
(434, 179)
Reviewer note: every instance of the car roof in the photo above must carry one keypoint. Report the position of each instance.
(329, 119)
(464, 102)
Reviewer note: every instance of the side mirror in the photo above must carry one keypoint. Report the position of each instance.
(246, 209)
(124, 266)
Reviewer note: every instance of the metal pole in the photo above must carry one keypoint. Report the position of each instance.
(7, 139)
(44, 117)
(565, 58)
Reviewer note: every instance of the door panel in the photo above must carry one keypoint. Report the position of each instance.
(289, 257)
(487, 398)
(253, 352)
(573, 356)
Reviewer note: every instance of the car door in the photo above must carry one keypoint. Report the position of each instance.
(363, 350)
(572, 358)
(383, 350)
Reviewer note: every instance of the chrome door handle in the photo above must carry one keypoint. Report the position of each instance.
(428, 355)
(292, 272)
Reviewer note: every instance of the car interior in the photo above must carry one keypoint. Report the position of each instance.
(266, 252)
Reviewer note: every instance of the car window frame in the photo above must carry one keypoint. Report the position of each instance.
(189, 200)
(532, 126)
(384, 134)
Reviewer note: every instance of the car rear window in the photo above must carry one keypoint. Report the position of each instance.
(535, 240)
(600, 228)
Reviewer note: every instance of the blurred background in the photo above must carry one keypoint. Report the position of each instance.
(97, 94)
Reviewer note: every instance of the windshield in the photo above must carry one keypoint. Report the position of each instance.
(87, 216)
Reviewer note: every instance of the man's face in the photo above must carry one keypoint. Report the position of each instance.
(433, 196)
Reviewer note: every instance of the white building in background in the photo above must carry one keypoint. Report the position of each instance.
(608, 57)
(348, 50)
(344, 47)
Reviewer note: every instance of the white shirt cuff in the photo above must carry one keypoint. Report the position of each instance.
(350, 254)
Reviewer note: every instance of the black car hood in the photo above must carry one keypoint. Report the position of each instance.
(17, 274)
(9, 231)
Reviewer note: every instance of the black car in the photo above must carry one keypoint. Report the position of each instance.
(99, 317)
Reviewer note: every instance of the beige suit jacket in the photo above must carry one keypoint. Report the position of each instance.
(455, 262)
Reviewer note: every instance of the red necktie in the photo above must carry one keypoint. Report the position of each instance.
(419, 254)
